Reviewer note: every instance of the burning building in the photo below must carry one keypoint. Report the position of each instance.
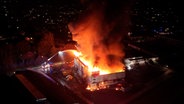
(70, 64)
(97, 82)
(95, 79)
(99, 31)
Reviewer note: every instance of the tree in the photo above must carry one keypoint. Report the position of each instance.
(46, 46)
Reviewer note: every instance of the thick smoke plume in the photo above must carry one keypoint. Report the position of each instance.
(99, 32)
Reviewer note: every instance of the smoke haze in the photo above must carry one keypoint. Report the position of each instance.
(99, 32)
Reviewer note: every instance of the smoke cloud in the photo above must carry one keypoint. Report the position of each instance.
(99, 32)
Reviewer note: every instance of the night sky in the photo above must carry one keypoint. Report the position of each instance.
(26, 15)
(54, 15)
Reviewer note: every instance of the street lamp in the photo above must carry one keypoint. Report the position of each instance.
(59, 52)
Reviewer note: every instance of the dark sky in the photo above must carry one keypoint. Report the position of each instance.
(19, 13)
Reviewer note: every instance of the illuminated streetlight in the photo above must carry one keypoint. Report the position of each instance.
(45, 63)
(59, 52)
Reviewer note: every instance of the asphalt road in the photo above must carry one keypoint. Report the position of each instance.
(13, 92)
(166, 91)
(170, 91)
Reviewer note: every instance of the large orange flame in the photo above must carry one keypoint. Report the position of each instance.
(100, 46)
(99, 69)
